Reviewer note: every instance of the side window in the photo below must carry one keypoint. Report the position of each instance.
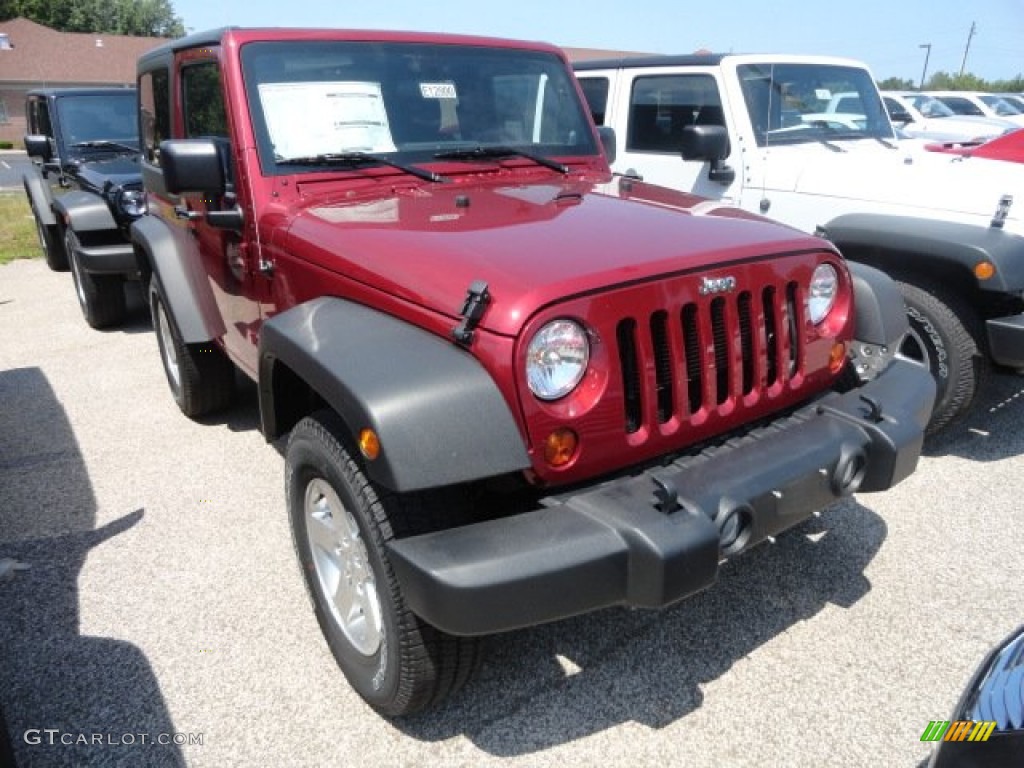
(203, 101)
(39, 118)
(963, 106)
(154, 112)
(661, 106)
(595, 90)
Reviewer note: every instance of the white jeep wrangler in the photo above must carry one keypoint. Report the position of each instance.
(762, 132)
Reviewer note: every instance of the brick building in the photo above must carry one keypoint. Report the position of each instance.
(34, 56)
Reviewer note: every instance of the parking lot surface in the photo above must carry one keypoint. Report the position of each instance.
(162, 601)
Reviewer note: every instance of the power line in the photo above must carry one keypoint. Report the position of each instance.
(966, 49)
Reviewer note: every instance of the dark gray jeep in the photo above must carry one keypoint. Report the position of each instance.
(85, 190)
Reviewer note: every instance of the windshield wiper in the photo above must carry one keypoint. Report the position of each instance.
(361, 158)
(104, 144)
(495, 153)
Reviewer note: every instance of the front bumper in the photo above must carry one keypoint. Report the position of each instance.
(1006, 340)
(112, 259)
(658, 536)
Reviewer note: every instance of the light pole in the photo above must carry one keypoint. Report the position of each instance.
(927, 55)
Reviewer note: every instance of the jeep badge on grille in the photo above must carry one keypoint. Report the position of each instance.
(709, 285)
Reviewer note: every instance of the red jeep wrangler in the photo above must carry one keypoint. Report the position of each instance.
(518, 388)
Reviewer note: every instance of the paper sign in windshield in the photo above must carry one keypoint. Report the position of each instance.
(310, 119)
(437, 90)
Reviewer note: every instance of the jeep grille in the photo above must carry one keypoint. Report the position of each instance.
(707, 354)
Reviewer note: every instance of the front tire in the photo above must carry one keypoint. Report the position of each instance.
(946, 338)
(201, 377)
(341, 525)
(101, 297)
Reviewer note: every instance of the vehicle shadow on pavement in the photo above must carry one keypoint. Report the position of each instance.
(59, 688)
(992, 430)
(554, 684)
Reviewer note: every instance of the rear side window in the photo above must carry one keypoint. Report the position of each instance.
(155, 112)
(595, 90)
(661, 106)
(39, 118)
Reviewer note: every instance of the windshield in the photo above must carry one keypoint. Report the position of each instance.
(106, 117)
(408, 102)
(999, 105)
(796, 103)
(929, 106)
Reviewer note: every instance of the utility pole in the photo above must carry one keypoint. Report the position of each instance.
(927, 54)
(966, 49)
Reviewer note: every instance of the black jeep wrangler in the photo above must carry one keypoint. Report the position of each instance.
(85, 190)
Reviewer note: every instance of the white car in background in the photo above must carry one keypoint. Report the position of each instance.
(921, 116)
(980, 105)
(1016, 99)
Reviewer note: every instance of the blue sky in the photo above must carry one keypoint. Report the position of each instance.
(886, 34)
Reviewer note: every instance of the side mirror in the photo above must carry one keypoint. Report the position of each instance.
(709, 143)
(607, 136)
(37, 145)
(900, 116)
(192, 165)
(199, 166)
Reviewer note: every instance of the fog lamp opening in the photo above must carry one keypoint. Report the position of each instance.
(560, 447)
(369, 444)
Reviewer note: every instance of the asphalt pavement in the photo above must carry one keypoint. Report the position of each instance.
(13, 163)
(161, 599)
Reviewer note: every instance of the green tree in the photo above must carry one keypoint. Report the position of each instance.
(943, 81)
(896, 84)
(142, 18)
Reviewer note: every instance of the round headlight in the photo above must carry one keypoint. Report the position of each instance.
(557, 359)
(132, 202)
(823, 290)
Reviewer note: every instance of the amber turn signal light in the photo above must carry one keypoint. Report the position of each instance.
(560, 446)
(984, 270)
(369, 444)
(837, 357)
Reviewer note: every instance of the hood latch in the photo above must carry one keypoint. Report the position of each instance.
(473, 308)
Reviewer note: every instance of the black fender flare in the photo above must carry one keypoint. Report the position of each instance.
(182, 281)
(84, 212)
(881, 316)
(870, 237)
(40, 197)
(438, 415)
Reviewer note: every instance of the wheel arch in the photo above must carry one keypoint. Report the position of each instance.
(84, 212)
(40, 197)
(881, 318)
(915, 250)
(184, 286)
(438, 415)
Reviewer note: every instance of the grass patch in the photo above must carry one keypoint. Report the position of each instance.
(18, 239)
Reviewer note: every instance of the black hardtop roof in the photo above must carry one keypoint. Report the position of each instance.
(675, 60)
(207, 37)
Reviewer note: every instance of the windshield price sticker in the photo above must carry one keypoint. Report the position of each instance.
(306, 119)
(438, 90)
